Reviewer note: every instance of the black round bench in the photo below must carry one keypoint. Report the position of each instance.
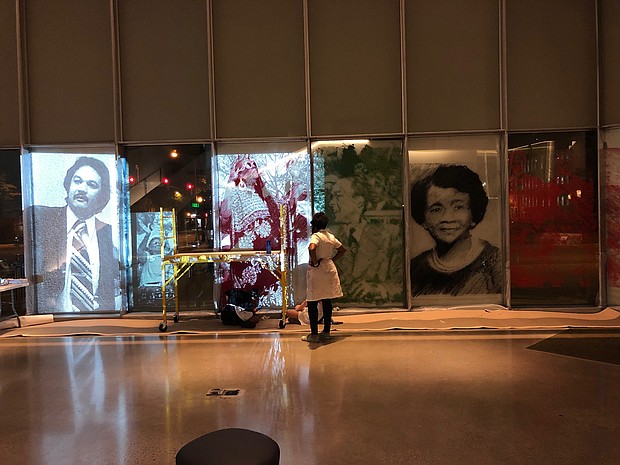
(230, 446)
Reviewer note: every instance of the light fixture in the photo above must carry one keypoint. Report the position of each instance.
(174, 154)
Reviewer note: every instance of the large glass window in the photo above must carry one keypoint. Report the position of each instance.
(358, 183)
(611, 155)
(170, 178)
(11, 229)
(455, 222)
(254, 184)
(553, 219)
(74, 231)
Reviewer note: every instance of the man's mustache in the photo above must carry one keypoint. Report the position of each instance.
(80, 196)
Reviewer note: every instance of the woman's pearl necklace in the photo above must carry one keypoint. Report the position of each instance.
(472, 254)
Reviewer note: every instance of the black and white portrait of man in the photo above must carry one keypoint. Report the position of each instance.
(73, 225)
(448, 203)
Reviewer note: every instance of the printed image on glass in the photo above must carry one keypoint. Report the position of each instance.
(72, 232)
(554, 250)
(611, 155)
(455, 228)
(448, 202)
(251, 189)
(147, 265)
(359, 186)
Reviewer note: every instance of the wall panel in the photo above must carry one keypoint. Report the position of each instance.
(611, 210)
(259, 68)
(70, 77)
(164, 70)
(9, 114)
(551, 64)
(355, 66)
(610, 62)
(452, 65)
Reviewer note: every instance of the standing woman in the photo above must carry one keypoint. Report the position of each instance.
(322, 277)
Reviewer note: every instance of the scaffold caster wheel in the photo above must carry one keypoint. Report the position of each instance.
(163, 327)
(282, 324)
(176, 318)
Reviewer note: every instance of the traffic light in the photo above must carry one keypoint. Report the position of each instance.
(165, 181)
(189, 186)
(131, 179)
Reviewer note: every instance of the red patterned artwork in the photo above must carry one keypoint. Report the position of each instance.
(553, 222)
(612, 206)
(252, 187)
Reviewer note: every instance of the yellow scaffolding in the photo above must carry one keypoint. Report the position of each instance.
(276, 264)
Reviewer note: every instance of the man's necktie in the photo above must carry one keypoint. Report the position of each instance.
(82, 297)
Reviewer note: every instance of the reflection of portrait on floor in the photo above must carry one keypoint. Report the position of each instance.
(75, 256)
(449, 203)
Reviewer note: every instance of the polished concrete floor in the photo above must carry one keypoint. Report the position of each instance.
(445, 397)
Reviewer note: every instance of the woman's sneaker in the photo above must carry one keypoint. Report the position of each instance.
(325, 336)
(311, 338)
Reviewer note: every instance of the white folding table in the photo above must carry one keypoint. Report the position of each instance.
(10, 285)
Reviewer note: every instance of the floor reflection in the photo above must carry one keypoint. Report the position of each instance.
(369, 398)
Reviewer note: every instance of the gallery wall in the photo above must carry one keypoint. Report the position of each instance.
(125, 72)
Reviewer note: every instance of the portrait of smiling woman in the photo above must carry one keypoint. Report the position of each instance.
(449, 203)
